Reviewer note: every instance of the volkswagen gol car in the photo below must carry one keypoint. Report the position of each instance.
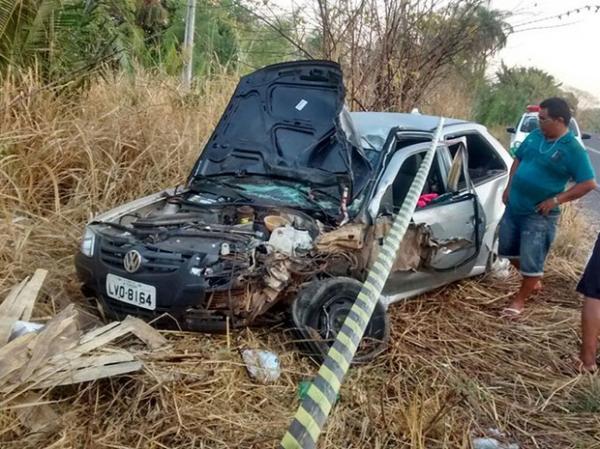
(286, 208)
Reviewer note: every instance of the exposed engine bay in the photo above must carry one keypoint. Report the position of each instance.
(248, 258)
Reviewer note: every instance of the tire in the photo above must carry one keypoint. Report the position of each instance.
(319, 312)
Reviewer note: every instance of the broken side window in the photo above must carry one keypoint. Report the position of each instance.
(396, 193)
(484, 161)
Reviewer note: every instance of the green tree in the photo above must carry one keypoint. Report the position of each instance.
(504, 100)
(63, 36)
(589, 120)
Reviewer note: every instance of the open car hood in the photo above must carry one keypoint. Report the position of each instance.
(288, 120)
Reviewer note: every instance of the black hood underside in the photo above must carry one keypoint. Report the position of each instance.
(285, 121)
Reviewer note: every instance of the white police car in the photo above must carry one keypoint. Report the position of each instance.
(529, 122)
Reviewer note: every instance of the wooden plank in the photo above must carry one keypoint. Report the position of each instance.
(98, 341)
(106, 334)
(59, 355)
(51, 375)
(60, 334)
(58, 361)
(145, 332)
(10, 312)
(30, 293)
(14, 356)
(19, 303)
(97, 332)
(92, 373)
(107, 358)
(9, 301)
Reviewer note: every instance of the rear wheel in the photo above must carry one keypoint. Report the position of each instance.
(319, 312)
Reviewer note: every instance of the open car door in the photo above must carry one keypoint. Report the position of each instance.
(456, 219)
(445, 237)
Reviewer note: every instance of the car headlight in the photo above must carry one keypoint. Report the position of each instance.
(87, 244)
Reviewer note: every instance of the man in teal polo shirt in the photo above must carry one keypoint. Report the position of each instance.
(545, 162)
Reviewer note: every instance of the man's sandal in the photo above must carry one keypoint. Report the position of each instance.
(581, 368)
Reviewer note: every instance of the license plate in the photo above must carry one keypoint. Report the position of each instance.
(131, 292)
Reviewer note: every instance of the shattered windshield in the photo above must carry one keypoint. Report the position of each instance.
(264, 189)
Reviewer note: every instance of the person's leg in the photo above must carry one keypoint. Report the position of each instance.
(517, 264)
(537, 235)
(590, 327)
(509, 239)
(529, 285)
(589, 286)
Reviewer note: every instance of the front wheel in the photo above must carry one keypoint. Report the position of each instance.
(319, 312)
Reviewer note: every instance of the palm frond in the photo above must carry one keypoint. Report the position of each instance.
(7, 11)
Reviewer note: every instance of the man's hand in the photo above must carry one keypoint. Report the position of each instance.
(513, 169)
(546, 206)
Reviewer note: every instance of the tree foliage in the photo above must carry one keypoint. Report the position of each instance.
(504, 100)
(394, 51)
(589, 120)
(61, 37)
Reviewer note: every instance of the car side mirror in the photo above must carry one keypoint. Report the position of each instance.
(511, 130)
(586, 136)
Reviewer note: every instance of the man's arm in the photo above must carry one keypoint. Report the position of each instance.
(577, 191)
(513, 169)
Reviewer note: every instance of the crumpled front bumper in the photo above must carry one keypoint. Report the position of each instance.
(180, 295)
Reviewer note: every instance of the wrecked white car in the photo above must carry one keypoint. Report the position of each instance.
(287, 207)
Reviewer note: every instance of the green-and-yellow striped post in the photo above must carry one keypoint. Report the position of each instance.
(311, 416)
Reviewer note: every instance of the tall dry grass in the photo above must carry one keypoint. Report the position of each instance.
(454, 369)
(63, 159)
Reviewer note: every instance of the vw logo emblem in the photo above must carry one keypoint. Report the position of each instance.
(132, 261)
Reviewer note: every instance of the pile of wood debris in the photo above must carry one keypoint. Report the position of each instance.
(59, 352)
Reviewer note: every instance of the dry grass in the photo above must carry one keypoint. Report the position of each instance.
(499, 132)
(452, 97)
(453, 370)
(63, 159)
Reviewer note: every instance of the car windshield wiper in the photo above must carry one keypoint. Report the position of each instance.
(288, 182)
(227, 186)
(334, 199)
(312, 201)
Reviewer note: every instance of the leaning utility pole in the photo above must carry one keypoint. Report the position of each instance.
(188, 44)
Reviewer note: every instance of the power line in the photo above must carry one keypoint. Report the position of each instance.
(546, 27)
(559, 16)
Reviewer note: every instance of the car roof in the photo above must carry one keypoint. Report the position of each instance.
(390, 120)
(379, 124)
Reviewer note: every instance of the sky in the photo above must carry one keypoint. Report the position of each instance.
(569, 52)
